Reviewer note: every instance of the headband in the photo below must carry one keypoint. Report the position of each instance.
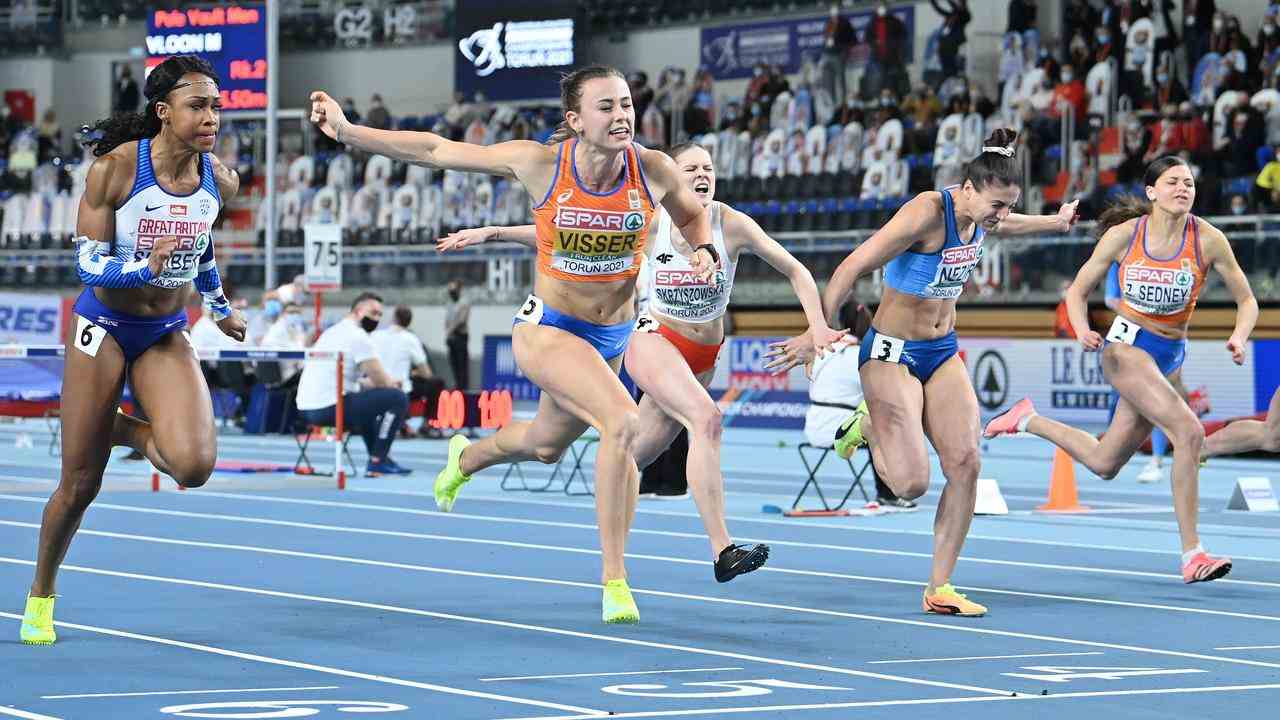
(1005, 151)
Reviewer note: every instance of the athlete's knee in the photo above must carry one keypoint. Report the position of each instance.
(193, 468)
(962, 466)
(623, 428)
(908, 480)
(80, 486)
(708, 422)
(1188, 434)
(1271, 440)
(548, 454)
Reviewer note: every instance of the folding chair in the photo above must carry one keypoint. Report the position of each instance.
(812, 468)
(303, 466)
(577, 451)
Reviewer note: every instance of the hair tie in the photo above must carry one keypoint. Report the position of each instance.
(1005, 151)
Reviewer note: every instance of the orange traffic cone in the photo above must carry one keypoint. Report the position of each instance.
(1062, 486)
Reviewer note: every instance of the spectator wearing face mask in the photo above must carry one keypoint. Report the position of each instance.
(1194, 131)
(378, 116)
(1070, 92)
(373, 403)
(289, 332)
(1168, 90)
(1197, 20)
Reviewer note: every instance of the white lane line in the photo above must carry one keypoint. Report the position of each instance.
(636, 531)
(15, 712)
(931, 701)
(592, 551)
(979, 657)
(612, 674)
(638, 591)
(586, 712)
(539, 628)
(1249, 647)
(186, 692)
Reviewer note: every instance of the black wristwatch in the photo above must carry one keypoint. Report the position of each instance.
(711, 250)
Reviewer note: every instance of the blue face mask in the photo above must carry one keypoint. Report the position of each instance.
(273, 308)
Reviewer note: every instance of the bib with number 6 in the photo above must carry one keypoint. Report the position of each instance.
(88, 336)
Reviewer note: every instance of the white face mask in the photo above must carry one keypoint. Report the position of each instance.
(1068, 77)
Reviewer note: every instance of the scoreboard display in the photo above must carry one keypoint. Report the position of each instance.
(233, 38)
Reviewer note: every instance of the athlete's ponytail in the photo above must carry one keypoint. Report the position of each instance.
(571, 96)
(996, 164)
(106, 135)
(1129, 207)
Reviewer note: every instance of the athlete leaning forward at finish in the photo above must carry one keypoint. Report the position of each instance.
(143, 229)
(673, 356)
(570, 335)
(1164, 253)
(915, 383)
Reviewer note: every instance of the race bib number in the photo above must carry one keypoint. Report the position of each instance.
(886, 348)
(88, 336)
(646, 324)
(1123, 331)
(531, 310)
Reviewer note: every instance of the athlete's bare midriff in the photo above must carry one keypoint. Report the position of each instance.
(146, 301)
(602, 303)
(908, 317)
(707, 333)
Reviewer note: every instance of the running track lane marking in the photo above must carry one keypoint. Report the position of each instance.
(1249, 647)
(594, 552)
(518, 626)
(186, 692)
(979, 657)
(935, 701)
(15, 712)
(668, 513)
(611, 674)
(656, 593)
(662, 533)
(587, 712)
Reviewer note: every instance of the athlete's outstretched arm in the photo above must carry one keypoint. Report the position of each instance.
(682, 205)
(1218, 253)
(522, 234)
(1108, 250)
(1017, 224)
(513, 159)
(95, 227)
(737, 224)
(905, 229)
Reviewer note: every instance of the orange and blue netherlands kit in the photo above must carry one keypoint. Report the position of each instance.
(1159, 291)
(585, 236)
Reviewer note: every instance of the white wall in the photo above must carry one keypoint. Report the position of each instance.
(34, 74)
(413, 80)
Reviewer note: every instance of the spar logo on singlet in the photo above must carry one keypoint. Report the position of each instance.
(954, 269)
(595, 242)
(193, 238)
(1158, 290)
(684, 295)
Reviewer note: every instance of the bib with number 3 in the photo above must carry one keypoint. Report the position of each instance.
(1123, 331)
(88, 336)
(886, 348)
(531, 310)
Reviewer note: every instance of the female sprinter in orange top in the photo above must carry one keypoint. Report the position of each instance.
(915, 382)
(595, 192)
(673, 356)
(1164, 253)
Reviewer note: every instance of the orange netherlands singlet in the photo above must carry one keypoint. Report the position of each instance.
(585, 236)
(1162, 290)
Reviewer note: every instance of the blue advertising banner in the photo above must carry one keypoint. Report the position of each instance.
(514, 51)
(233, 38)
(731, 51)
(500, 371)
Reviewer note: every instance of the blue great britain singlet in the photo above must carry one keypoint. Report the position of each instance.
(151, 212)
